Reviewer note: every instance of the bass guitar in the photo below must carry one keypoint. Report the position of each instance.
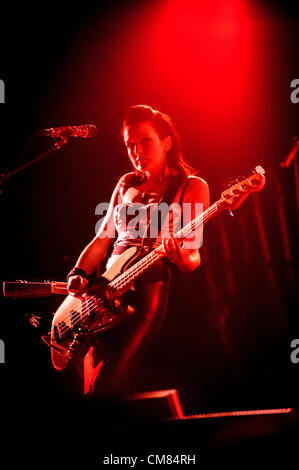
(104, 303)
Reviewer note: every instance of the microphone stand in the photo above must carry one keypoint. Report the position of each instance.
(60, 142)
(286, 163)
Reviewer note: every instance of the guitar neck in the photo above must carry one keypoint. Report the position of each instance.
(131, 274)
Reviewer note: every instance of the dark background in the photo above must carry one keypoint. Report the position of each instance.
(226, 341)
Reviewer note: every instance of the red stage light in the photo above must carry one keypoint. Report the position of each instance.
(215, 59)
(206, 47)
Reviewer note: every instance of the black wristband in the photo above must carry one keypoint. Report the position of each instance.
(77, 271)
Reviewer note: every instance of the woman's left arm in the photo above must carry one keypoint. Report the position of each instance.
(188, 259)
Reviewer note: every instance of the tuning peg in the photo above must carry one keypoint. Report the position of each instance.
(236, 180)
(236, 192)
(260, 170)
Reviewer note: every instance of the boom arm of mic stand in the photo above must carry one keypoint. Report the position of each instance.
(292, 155)
(292, 158)
(60, 142)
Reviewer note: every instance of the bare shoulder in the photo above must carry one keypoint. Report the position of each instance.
(126, 178)
(197, 189)
(195, 182)
(122, 184)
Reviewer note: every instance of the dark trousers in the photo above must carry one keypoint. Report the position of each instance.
(122, 348)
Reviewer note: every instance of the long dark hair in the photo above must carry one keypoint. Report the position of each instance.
(164, 127)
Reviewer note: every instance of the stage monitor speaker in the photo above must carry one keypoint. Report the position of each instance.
(265, 433)
(156, 405)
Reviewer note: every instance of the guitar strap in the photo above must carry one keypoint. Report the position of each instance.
(173, 193)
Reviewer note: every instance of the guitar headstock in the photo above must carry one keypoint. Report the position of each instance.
(235, 195)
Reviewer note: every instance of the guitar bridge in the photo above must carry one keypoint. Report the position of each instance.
(78, 337)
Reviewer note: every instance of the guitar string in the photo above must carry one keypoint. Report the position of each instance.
(127, 277)
(88, 307)
(86, 304)
(131, 271)
(87, 310)
(181, 234)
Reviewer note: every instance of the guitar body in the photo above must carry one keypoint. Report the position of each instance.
(78, 321)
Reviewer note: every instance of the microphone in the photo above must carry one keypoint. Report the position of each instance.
(87, 130)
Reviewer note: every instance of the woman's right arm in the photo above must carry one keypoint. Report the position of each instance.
(95, 252)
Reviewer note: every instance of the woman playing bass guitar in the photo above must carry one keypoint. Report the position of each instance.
(154, 150)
